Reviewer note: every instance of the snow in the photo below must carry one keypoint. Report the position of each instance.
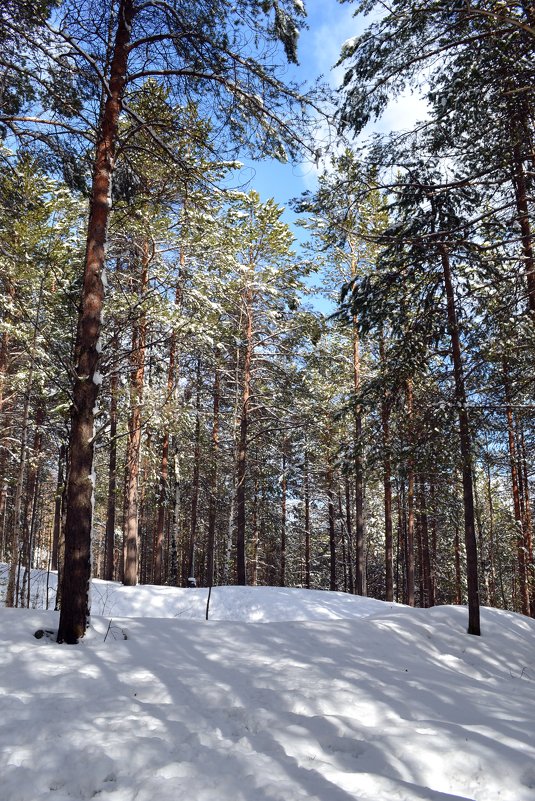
(283, 695)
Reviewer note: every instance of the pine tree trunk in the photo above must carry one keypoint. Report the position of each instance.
(433, 547)
(528, 529)
(255, 538)
(306, 493)
(241, 471)
(61, 544)
(163, 504)
(342, 537)
(195, 483)
(400, 551)
(466, 451)
(332, 526)
(491, 543)
(212, 508)
(283, 518)
(4, 409)
(360, 531)
(112, 476)
(18, 527)
(410, 499)
(457, 552)
(137, 375)
(58, 511)
(77, 570)
(387, 487)
(522, 204)
(349, 531)
(517, 506)
(427, 599)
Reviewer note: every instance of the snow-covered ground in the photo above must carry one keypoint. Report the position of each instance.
(283, 695)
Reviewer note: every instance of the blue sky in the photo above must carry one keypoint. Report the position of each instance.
(330, 24)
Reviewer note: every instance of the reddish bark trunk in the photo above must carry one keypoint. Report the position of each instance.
(360, 531)
(283, 518)
(137, 375)
(349, 532)
(466, 451)
(517, 503)
(112, 477)
(306, 493)
(58, 511)
(332, 528)
(241, 471)
(387, 488)
(410, 499)
(77, 570)
(195, 483)
(212, 508)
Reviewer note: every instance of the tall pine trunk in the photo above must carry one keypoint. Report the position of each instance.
(192, 548)
(58, 509)
(517, 499)
(410, 497)
(137, 376)
(283, 517)
(466, 450)
(77, 570)
(306, 494)
(332, 525)
(387, 486)
(212, 504)
(360, 531)
(241, 467)
(112, 476)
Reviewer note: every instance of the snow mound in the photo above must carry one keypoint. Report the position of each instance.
(283, 695)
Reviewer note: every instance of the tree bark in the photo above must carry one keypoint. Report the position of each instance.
(360, 530)
(332, 526)
(427, 599)
(77, 572)
(466, 451)
(163, 503)
(195, 483)
(212, 507)
(457, 553)
(137, 376)
(349, 532)
(306, 493)
(58, 511)
(517, 505)
(283, 517)
(528, 528)
(522, 205)
(387, 487)
(16, 543)
(410, 498)
(112, 476)
(241, 471)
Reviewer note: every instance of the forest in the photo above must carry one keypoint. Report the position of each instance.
(176, 408)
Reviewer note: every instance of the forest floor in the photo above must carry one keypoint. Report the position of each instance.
(283, 695)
